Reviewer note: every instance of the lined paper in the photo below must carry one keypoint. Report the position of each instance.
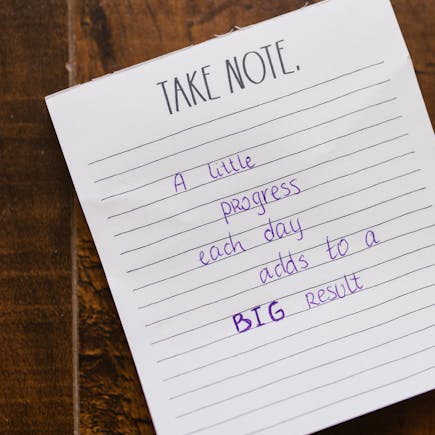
(262, 204)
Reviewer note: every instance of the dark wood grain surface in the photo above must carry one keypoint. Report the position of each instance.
(64, 369)
(35, 213)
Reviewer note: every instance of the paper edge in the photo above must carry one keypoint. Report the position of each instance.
(208, 41)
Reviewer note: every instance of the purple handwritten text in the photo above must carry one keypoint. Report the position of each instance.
(278, 230)
(259, 198)
(214, 252)
(348, 285)
(229, 166)
(284, 266)
(247, 320)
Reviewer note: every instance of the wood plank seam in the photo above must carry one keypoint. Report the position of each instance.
(71, 68)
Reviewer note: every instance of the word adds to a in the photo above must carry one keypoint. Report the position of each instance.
(348, 285)
(229, 166)
(216, 251)
(276, 230)
(259, 198)
(340, 247)
(288, 265)
(253, 319)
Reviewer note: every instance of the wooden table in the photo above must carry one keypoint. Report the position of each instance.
(64, 363)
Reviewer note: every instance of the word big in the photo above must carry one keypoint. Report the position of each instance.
(243, 323)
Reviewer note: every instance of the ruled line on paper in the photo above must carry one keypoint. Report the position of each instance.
(245, 270)
(275, 259)
(388, 141)
(328, 384)
(270, 261)
(233, 134)
(297, 332)
(285, 156)
(262, 225)
(284, 378)
(353, 128)
(236, 375)
(290, 235)
(288, 295)
(235, 112)
(305, 190)
(286, 276)
(317, 205)
(300, 171)
(320, 386)
(343, 399)
(294, 173)
(125, 212)
(184, 171)
(226, 337)
(297, 353)
(357, 137)
(295, 153)
(326, 202)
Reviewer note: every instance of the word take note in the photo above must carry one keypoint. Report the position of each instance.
(262, 204)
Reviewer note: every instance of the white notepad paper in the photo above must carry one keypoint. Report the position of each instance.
(262, 207)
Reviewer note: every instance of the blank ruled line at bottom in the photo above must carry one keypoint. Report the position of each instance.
(292, 375)
(427, 369)
(328, 384)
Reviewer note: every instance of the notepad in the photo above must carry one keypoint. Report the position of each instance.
(262, 204)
